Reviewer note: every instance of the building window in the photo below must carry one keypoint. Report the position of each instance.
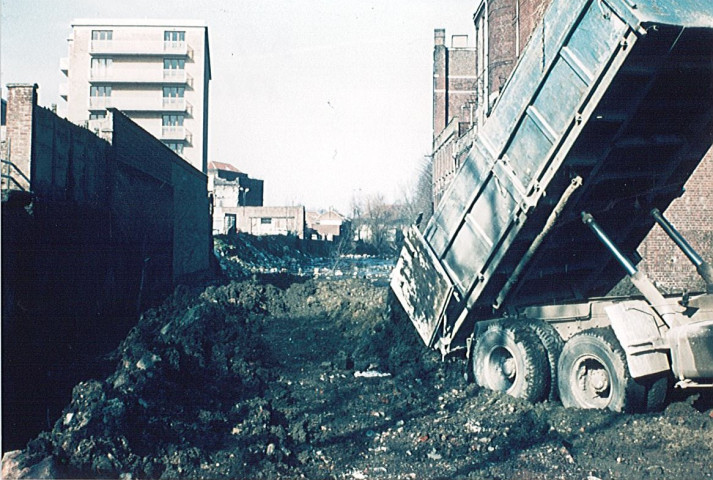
(100, 91)
(173, 92)
(176, 147)
(173, 120)
(229, 222)
(266, 221)
(101, 67)
(102, 34)
(173, 127)
(97, 116)
(174, 38)
(174, 69)
(174, 63)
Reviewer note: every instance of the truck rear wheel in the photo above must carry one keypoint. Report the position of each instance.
(553, 344)
(511, 359)
(592, 373)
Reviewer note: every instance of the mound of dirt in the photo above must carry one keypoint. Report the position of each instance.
(283, 377)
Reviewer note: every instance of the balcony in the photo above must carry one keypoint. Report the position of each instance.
(177, 76)
(176, 133)
(176, 104)
(64, 65)
(129, 47)
(141, 104)
(145, 75)
(64, 90)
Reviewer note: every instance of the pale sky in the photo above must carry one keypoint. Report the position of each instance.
(322, 99)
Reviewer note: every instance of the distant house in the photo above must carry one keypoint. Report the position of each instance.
(330, 225)
(269, 220)
(230, 188)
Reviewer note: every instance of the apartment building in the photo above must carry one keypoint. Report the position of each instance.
(156, 72)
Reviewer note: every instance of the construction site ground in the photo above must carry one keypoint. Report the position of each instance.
(274, 375)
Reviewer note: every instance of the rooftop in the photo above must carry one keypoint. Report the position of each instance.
(222, 166)
(137, 22)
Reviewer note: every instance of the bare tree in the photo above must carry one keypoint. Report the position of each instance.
(376, 216)
(418, 198)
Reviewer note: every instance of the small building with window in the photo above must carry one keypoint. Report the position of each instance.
(330, 225)
(230, 188)
(156, 72)
(269, 220)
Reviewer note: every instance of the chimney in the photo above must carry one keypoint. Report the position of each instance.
(440, 82)
(439, 37)
(21, 101)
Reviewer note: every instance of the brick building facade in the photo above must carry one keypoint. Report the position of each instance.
(502, 29)
(454, 104)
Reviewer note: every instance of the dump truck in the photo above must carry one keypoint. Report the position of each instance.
(607, 113)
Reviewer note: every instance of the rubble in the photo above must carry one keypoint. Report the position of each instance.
(264, 377)
(242, 255)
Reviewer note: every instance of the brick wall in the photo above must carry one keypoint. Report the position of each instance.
(530, 13)
(20, 102)
(454, 99)
(510, 26)
(501, 42)
(440, 94)
(692, 215)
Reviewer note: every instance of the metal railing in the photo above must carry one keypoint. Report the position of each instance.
(176, 132)
(145, 75)
(154, 104)
(10, 174)
(140, 47)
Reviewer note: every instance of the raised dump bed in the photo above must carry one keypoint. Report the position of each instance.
(609, 111)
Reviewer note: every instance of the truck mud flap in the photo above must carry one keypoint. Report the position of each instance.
(422, 286)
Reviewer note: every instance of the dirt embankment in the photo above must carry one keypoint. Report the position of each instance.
(280, 377)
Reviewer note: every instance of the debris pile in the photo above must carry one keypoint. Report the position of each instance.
(281, 376)
(241, 255)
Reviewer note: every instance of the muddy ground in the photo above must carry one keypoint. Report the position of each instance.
(280, 376)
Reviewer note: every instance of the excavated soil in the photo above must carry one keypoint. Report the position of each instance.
(286, 377)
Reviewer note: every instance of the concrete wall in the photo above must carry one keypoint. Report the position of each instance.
(68, 163)
(269, 220)
(230, 190)
(166, 204)
(101, 231)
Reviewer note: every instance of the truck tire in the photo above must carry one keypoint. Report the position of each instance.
(592, 373)
(656, 391)
(553, 344)
(511, 359)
